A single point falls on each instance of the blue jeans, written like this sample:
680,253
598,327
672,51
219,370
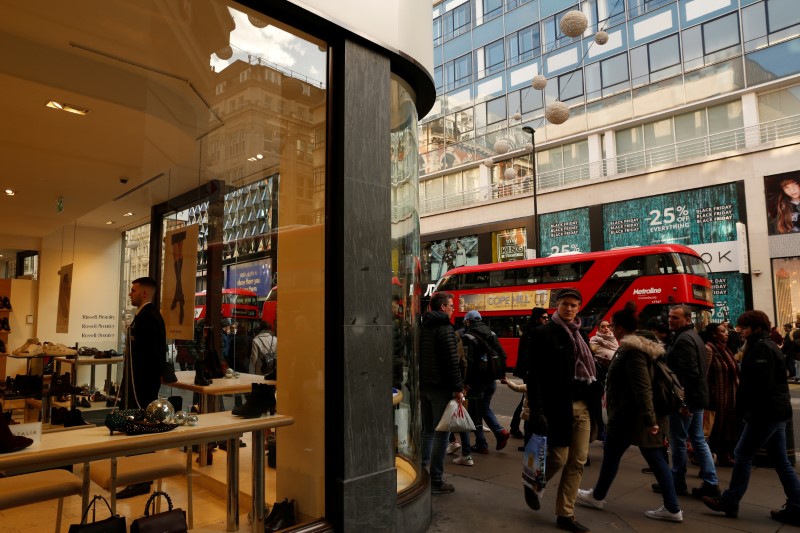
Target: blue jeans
691,427
434,443
772,436
487,415
613,449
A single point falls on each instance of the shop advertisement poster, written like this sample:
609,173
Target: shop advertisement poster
509,245
565,231
782,196
507,301
252,276
180,271
727,289
440,256
691,217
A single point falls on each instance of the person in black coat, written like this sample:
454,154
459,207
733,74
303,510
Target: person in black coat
440,382
539,317
146,348
764,403
562,392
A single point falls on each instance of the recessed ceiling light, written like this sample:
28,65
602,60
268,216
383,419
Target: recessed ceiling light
109,222
69,108
128,214
9,192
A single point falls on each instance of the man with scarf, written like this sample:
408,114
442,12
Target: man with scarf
564,396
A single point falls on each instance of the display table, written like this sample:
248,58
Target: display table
79,360
95,443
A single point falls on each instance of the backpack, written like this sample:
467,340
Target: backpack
668,394
267,357
489,364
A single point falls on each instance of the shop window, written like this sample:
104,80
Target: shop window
786,283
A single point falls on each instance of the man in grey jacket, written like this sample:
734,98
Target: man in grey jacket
440,382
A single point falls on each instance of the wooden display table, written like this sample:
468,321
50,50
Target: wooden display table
91,362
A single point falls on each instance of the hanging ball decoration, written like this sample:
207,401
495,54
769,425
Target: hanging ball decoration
510,173
488,162
516,116
601,37
573,23
539,82
501,146
557,113
257,22
225,53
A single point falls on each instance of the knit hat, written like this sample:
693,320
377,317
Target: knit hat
473,316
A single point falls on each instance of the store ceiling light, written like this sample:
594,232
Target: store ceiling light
109,222
9,192
69,108
128,214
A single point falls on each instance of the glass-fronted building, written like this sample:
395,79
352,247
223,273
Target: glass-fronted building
690,105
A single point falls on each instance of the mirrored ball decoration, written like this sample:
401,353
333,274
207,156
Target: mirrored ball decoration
181,418
192,420
160,411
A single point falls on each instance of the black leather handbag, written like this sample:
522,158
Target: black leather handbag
170,521
112,524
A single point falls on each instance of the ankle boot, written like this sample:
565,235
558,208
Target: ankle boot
200,376
285,517
261,400
74,418
63,385
58,416
277,509
10,442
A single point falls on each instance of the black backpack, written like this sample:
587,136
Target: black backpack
668,394
489,364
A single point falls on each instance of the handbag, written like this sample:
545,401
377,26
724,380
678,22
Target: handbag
112,524
455,419
170,521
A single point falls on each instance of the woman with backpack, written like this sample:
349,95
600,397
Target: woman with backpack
632,419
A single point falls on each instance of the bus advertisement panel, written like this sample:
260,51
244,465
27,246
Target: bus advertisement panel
653,277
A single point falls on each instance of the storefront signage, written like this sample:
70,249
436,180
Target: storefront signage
510,245
507,301
252,276
564,232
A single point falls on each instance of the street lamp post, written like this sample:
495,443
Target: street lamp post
528,129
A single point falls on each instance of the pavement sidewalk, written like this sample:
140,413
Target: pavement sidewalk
489,495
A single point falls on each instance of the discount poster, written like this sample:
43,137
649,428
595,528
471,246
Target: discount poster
565,231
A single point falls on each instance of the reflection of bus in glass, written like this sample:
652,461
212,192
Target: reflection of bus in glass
237,304
269,313
653,277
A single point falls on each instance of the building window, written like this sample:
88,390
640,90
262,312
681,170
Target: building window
493,55
711,42
458,72
496,110
570,85
437,31
456,21
513,4
782,14
523,44
640,7
552,37
655,61
492,9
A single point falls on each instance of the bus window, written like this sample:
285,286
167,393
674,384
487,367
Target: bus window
503,278
503,326
448,283
632,267
520,322
474,280
693,265
528,276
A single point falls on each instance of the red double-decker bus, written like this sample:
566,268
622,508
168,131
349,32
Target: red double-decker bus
237,304
653,277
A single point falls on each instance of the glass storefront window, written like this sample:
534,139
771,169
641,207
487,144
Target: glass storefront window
786,280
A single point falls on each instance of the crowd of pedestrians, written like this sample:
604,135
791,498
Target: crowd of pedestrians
735,391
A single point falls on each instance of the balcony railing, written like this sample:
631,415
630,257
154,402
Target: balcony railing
606,169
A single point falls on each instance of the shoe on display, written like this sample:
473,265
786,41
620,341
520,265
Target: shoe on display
85,403
662,513
570,524
6,303
715,503
137,489
32,350
442,487
4,324
586,497
2,346
502,439
58,349
24,347
261,401
463,460
453,447
10,442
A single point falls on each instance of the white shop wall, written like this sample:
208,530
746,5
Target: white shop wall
94,315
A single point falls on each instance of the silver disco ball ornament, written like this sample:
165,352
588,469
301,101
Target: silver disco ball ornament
225,52
573,23
160,411
192,420
557,113
601,37
539,82
181,417
501,146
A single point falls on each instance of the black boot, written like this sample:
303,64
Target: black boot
200,376
261,400
10,442
74,418
284,517
63,385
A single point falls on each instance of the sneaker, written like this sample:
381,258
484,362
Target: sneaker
453,447
786,516
706,489
442,488
502,439
482,451
663,514
715,503
586,497
464,460
31,351
570,524
58,349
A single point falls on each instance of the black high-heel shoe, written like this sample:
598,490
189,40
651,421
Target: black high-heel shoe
200,376
10,442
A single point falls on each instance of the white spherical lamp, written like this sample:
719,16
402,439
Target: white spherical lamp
257,22
539,82
601,37
510,174
516,116
557,113
488,162
502,146
573,23
225,52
